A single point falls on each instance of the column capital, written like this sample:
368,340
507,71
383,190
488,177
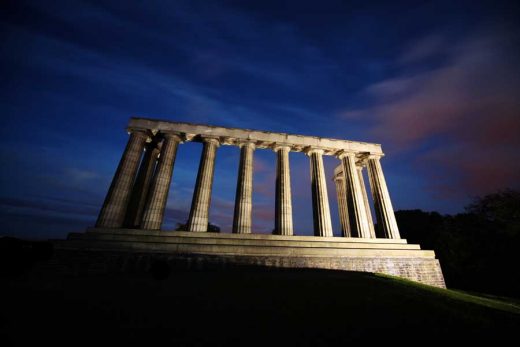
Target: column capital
210,139
140,132
310,150
338,178
173,136
362,162
375,156
280,146
246,143
344,153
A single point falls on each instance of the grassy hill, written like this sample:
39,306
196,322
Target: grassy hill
248,306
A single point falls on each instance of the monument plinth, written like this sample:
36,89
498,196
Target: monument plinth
131,217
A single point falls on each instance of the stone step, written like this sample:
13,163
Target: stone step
122,244
190,239
244,236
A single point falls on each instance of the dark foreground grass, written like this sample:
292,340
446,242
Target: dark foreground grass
248,306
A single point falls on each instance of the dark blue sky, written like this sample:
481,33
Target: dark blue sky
436,83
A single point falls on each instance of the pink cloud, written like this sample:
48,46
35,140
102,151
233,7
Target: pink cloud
468,109
424,48
259,165
264,184
263,217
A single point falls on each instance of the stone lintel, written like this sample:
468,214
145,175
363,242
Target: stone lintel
262,139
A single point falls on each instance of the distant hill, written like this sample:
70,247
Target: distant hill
247,306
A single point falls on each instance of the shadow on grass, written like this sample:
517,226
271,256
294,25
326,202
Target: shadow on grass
246,306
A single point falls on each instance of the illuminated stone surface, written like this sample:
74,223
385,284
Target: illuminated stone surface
358,249
365,201
320,199
134,215
158,194
199,213
114,208
355,202
389,256
244,195
382,202
283,224
342,204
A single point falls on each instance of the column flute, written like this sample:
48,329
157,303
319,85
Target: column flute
382,203
366,204
244,194
283,203
158,196
341,193
114,208
134,214
199,213
320,199
357,213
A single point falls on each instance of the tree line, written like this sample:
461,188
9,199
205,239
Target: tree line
478,249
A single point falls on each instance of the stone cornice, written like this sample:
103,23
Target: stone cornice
262,139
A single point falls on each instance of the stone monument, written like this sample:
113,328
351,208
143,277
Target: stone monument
132,214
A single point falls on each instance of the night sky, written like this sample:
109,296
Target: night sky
436,83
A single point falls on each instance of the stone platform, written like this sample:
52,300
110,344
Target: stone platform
389,256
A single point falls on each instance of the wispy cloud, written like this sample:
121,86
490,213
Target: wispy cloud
423,49
466,112
74,71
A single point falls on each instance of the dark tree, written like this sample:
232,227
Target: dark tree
477,249
502,209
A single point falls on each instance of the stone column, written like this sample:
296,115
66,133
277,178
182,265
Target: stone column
342,204
382,203
157,197
199,213
356,210
134,214
320,199
114,208
244,193
366,203
283,203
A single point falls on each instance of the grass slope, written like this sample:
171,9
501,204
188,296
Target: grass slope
248,307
